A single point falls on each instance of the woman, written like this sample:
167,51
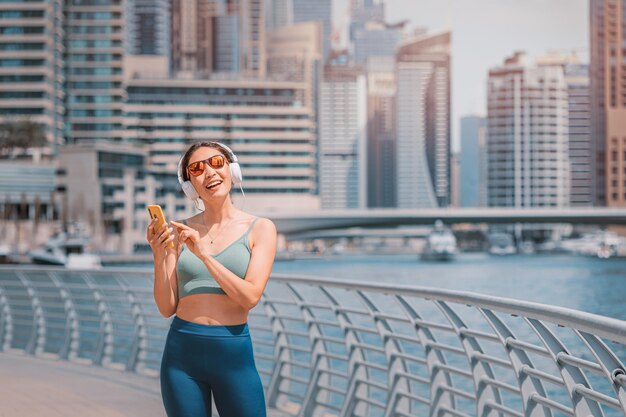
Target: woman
216,273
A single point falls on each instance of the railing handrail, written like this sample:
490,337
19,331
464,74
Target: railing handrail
606,327
345,338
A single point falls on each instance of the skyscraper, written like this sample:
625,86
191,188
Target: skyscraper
224,36
375,39
473,162
342,136
31,66
527,135
278,13
94,53
579,115
423,121
147,27
318,10
381,132
608,99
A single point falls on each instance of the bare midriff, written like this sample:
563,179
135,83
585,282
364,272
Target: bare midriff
215,309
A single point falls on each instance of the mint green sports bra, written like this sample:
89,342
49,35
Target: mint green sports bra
193,276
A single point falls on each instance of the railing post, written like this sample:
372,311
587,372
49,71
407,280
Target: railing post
613,369
485,394
280,353
140,332
318,362
519,361
571,375
397,384
38,337
105,342
69,350
6,323
355,358
440,399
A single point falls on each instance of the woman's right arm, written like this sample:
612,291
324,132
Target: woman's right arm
165,280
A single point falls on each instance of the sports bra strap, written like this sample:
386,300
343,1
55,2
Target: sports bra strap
251,224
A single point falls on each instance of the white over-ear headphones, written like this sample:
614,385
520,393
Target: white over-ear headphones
235,174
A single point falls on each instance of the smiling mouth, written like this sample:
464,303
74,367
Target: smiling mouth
215,185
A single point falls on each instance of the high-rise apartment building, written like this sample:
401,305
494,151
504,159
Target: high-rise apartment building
473,162
218,36
294,53
320,11
147,27
381,132
423,121
265,122
278,13
579,115
343,136
31,65
527,135
375,39
608,99
94,50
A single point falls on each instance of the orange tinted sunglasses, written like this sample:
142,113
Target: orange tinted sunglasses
198,167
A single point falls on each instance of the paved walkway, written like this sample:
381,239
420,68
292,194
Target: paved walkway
50,388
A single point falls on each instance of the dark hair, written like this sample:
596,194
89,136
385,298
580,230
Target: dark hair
192,148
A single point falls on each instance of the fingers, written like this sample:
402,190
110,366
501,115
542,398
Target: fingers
150,230
180,225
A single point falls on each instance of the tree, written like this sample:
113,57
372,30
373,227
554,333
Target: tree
22,134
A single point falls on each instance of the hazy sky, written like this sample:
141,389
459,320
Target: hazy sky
484,32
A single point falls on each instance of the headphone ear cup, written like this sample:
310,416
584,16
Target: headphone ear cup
189,190
235,173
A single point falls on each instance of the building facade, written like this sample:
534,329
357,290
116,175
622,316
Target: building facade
608,100
381,132
423,69
527,135
212,36
278,13
266,123
147,27
473,162
343,138
31,66
94,51
316,11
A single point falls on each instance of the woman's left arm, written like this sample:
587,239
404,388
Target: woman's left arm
247,292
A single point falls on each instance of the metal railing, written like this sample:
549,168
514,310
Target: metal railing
331,347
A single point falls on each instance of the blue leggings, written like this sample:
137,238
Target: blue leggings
200,360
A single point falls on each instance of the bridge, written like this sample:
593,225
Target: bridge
323,347
290,223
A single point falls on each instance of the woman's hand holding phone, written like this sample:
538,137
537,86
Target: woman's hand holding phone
160,239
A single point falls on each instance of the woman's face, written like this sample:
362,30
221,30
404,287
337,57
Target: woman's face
213,182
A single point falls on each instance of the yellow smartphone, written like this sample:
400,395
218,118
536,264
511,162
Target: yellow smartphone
156,212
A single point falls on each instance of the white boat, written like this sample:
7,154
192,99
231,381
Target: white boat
501,244
602,244
440,244
66,249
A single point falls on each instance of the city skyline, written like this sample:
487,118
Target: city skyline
470,26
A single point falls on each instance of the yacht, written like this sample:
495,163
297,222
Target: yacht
440,244
501,244
66,249
602,244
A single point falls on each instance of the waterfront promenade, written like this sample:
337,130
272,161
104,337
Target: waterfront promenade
323,347
42,387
